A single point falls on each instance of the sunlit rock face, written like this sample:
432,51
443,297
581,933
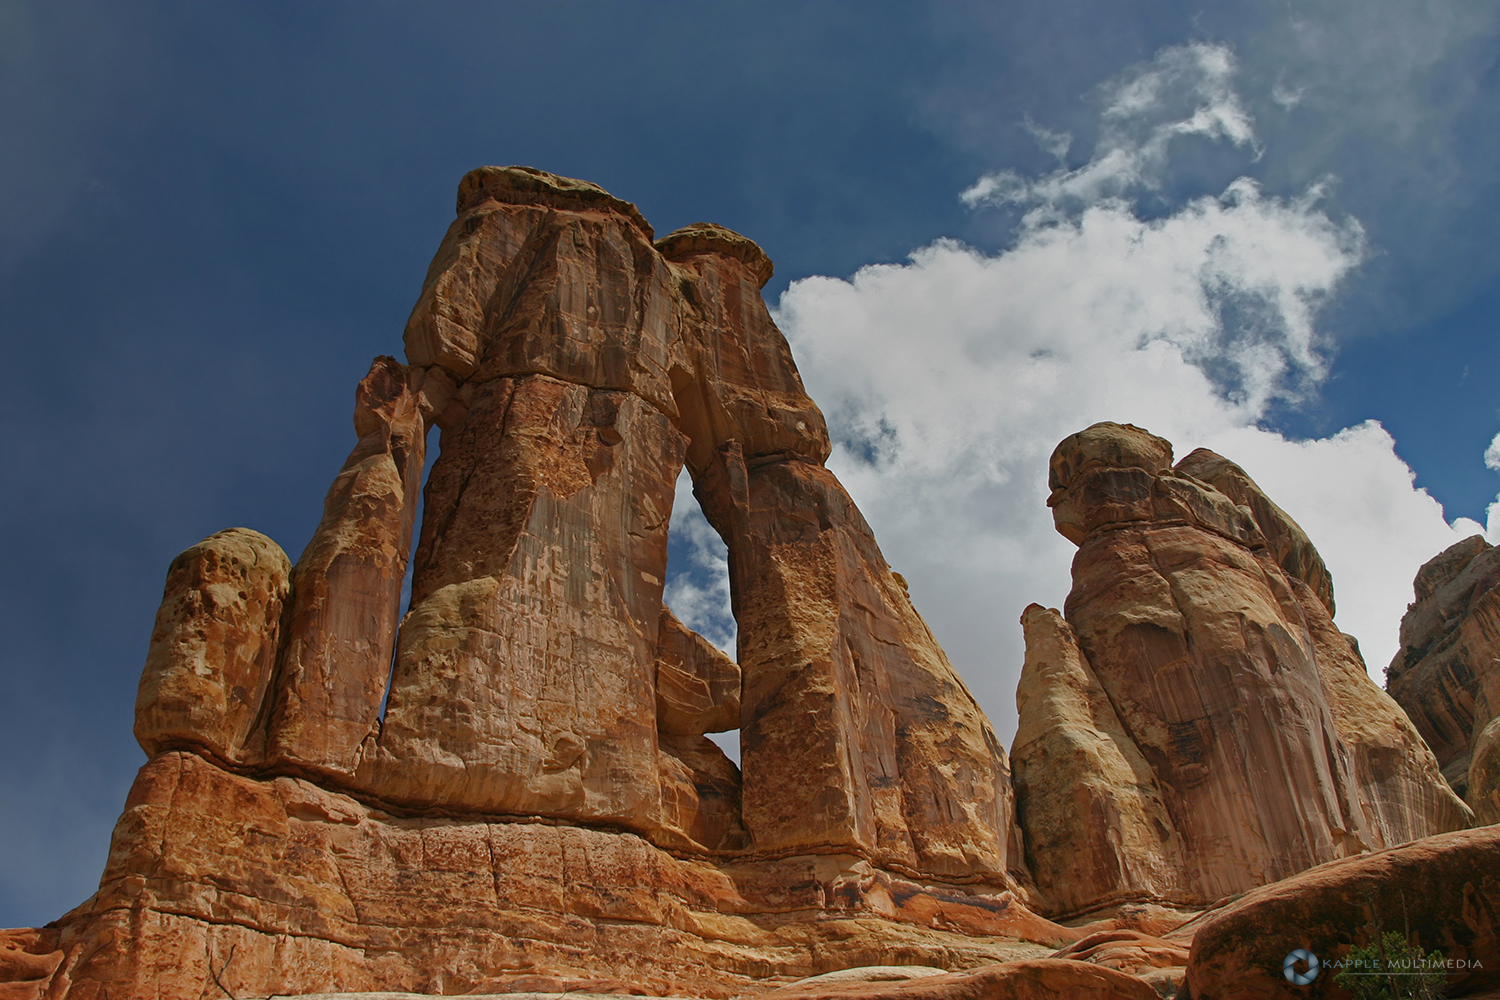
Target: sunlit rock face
1214,716
514,777
1447,673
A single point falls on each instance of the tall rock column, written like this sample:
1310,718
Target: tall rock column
1216,649
523,681
346,587
856,732
1096,827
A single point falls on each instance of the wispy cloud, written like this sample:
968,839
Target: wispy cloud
1185,91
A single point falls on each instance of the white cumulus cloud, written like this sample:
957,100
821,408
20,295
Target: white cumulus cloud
949,379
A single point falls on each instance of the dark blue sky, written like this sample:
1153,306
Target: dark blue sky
213,215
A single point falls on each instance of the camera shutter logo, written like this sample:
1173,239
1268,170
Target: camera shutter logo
1289,966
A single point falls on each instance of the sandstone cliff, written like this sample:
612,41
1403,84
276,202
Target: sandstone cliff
1205,708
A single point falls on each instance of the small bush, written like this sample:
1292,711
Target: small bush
1389,968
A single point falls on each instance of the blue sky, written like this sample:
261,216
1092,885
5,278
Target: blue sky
1258,227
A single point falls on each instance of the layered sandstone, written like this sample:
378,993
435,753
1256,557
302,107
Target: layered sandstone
516,780
1226,724
298,889
1447,673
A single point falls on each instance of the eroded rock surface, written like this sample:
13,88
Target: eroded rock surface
1447,674
213,650
1441,892
1225,722
539,800
341,629
1096,827
1037,979
330,895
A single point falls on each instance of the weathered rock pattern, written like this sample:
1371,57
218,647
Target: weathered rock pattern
1207,654
1096,827
1159,962
1443,891
213,649
1447,674
303,890
697,686
341,629
1286,542
539,797
1037,979
1484,774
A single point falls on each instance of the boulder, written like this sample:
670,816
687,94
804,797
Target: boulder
213,649
1440,892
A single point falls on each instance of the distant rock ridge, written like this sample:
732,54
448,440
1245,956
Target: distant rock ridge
1211,729
1447,673
511,787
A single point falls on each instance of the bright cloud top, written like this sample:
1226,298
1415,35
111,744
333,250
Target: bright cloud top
948,380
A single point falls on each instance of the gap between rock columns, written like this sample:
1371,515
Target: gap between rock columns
573,366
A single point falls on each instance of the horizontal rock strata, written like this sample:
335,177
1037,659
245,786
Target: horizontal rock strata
303,890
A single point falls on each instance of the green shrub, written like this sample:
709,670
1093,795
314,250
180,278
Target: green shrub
1389,968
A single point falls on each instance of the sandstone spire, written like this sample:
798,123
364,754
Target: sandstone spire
1204,619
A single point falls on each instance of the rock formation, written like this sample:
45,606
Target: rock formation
1439,893
538,796
1096,828
1216,730
1447,674
512,786
213,650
